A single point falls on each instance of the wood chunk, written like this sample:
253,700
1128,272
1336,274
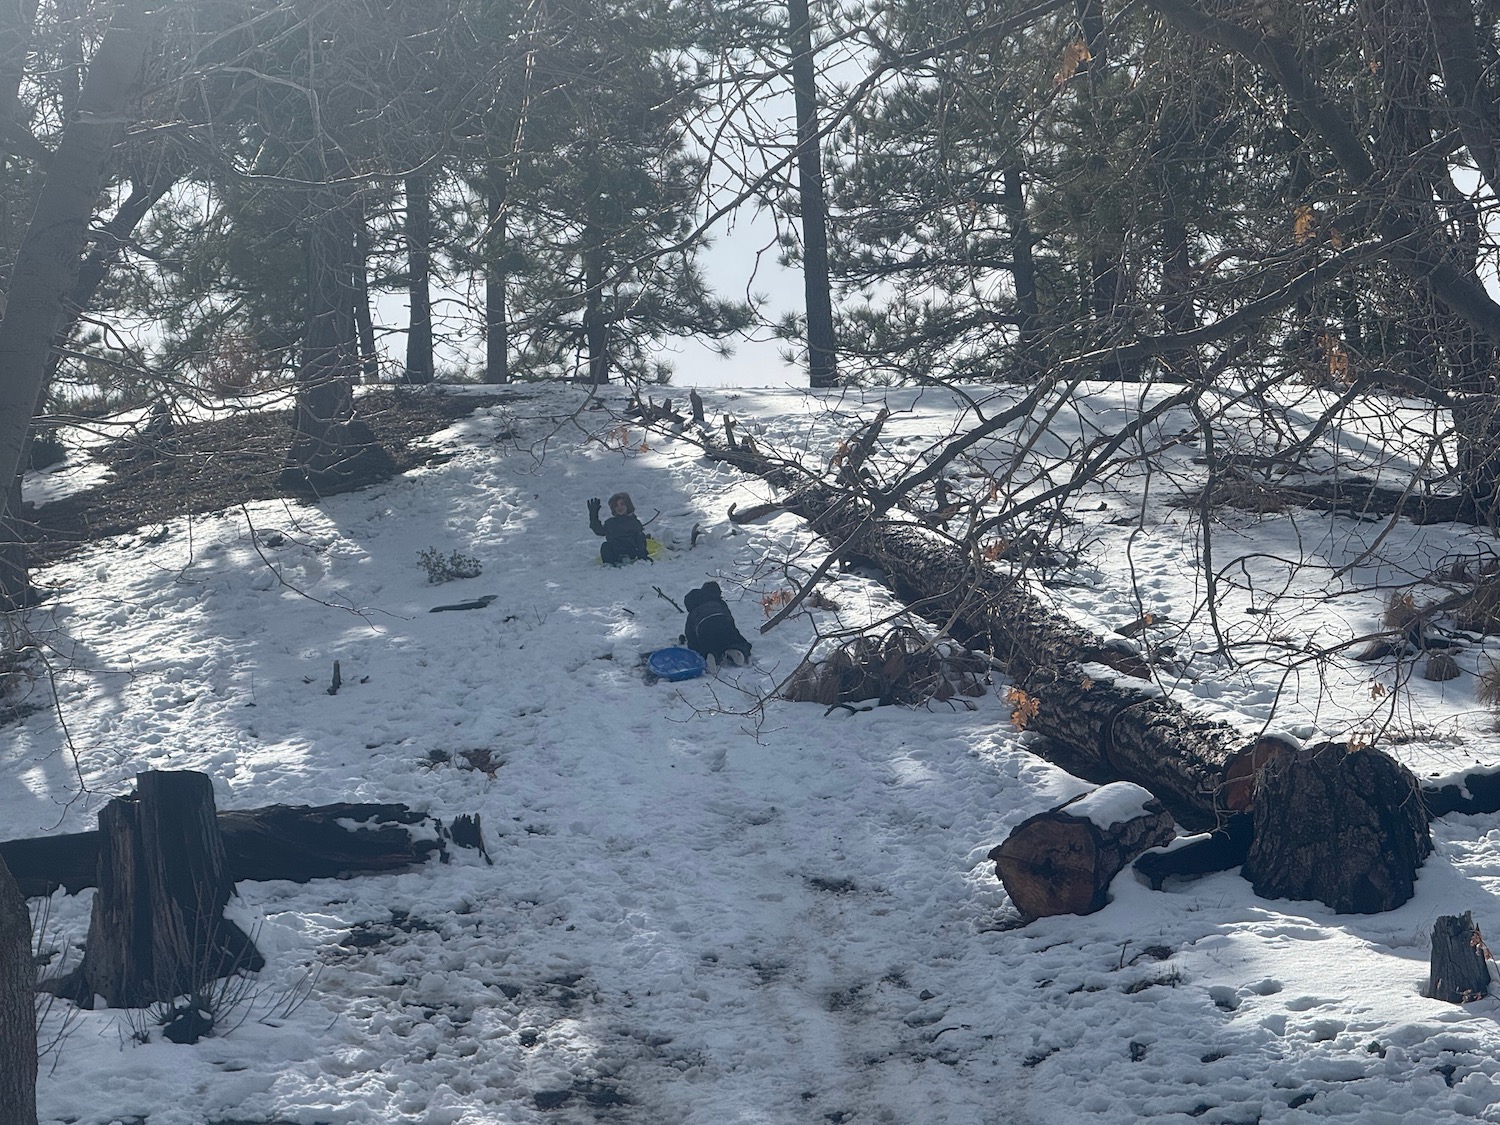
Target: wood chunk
1345,827
1460,969
1063,860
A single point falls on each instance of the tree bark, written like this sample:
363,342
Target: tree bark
291,842
496,312
822,350
1459,968
1104,720
596,327
1062,861
47,262
331,450
1345,827
418,282
18,1063
158,928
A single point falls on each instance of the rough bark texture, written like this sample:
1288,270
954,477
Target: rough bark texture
331,450
1345,827
822,353
1058,862
1459,968
291,842
17,1008
158,928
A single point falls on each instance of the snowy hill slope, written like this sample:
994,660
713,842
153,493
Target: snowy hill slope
707,905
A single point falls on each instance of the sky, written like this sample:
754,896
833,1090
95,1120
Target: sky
709,905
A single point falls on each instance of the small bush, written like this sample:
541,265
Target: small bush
441,568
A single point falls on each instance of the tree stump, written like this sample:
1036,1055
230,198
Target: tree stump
158,930
1460,969
1063,860
1346,827
17,1007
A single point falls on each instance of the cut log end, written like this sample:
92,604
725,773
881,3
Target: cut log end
1238,793
1049,868
1063,860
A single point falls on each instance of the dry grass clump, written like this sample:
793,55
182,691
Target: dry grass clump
900,666
1400,609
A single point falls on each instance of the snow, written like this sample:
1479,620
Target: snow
1111,804
708,905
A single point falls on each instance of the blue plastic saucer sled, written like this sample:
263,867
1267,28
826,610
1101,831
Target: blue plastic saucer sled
676,664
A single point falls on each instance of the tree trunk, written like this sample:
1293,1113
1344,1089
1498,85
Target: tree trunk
291,842
47,262
1104,726
1104,720
496,313
1344,827
822,351
158,928
595,320
17,19
364,315
1459,968
418,283
331,450
1023,241
17,1007
1062,861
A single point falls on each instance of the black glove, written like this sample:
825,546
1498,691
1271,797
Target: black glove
594,508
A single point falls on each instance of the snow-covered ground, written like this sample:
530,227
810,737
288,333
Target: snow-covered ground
709,906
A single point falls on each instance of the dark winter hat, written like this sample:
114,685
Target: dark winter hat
625,496
711,589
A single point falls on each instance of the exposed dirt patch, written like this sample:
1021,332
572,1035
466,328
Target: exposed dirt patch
210,466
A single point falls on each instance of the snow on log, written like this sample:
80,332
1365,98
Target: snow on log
1063,860
1345,827
1459,969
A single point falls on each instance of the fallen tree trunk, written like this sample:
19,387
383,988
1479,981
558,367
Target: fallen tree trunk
293,842
1088,696
1063,860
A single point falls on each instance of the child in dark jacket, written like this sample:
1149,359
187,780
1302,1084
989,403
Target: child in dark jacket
624,535
711,631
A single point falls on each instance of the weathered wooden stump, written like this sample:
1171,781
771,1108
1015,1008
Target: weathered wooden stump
1346,827
1063,860
158,929
1460,969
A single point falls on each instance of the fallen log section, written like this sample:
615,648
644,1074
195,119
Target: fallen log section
165,868
1090,698
293,842
1062,861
